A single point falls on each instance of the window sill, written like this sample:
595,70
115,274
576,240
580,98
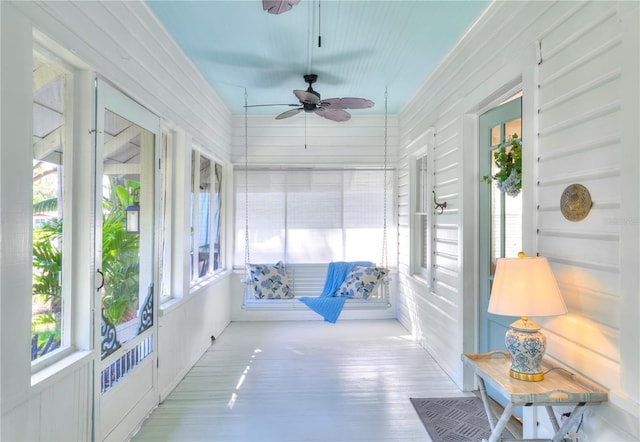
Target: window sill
421,279
174,302
54,372
169,305
208,281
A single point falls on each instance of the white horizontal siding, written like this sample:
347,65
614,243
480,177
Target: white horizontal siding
577,65
579,96
359,141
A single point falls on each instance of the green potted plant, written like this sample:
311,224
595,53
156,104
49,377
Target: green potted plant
508,158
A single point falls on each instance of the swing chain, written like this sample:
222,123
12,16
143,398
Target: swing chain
384,261
247,256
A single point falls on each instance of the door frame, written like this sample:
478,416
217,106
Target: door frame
494,116
143,393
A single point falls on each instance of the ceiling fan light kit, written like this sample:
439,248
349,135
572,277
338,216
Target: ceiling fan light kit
311,101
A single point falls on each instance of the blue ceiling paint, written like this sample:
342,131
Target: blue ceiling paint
367,46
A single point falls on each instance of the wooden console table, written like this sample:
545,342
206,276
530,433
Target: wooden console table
559,387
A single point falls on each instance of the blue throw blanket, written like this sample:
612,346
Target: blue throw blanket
328,305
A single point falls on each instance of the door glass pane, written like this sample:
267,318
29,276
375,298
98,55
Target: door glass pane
47,306
506,210
123,183
496,225
513,127
496,135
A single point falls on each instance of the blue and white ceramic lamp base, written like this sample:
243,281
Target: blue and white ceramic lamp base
526,345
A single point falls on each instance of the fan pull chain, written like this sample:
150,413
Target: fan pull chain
319,36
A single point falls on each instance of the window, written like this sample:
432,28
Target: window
50,312
206,186
421,230
312,216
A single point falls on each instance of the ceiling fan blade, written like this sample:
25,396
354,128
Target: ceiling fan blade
306,97
278,6
346,103
275,104
289,113
333,114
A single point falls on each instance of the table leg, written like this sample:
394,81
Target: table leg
502,422
575,415
552,418
485,402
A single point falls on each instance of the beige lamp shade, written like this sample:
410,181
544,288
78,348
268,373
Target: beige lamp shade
525,287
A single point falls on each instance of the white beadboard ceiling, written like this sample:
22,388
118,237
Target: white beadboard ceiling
367,46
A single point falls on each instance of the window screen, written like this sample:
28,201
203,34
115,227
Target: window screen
311,216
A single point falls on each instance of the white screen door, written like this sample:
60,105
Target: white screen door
127,151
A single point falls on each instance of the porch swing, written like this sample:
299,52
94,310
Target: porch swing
352,285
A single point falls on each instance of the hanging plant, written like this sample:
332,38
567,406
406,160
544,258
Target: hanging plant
508,158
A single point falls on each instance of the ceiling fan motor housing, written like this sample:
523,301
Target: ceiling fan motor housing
310,107
331,109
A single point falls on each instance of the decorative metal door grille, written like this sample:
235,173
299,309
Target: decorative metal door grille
131,359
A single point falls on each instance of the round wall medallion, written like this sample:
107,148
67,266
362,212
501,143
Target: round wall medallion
575,202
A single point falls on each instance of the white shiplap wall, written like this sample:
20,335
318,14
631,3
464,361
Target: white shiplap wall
359,141
124,44
577,65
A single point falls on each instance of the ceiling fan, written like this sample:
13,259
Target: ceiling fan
310,101
278,6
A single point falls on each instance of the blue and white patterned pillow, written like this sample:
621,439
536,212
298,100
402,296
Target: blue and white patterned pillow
361,282
270,281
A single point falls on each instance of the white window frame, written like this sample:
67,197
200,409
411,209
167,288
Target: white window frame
195,280
77,184
67,342
422,208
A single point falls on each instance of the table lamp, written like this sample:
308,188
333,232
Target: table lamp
525,286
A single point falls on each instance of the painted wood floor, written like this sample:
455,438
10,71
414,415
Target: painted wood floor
303,381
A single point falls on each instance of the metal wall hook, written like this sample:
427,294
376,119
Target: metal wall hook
438,206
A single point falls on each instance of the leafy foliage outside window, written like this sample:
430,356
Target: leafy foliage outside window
46,288
119,262
120,265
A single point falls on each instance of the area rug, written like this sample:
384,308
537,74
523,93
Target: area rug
456,419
